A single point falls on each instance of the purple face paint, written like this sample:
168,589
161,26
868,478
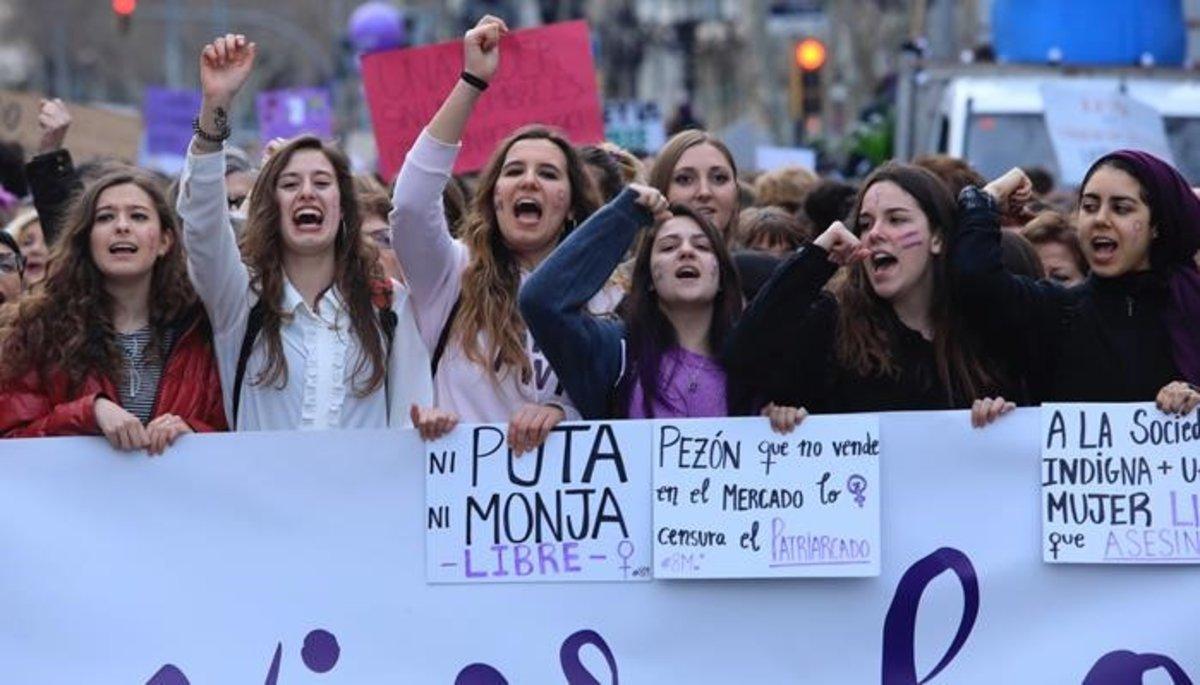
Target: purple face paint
910,239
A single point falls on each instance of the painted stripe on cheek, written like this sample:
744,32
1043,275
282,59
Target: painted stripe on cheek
911,239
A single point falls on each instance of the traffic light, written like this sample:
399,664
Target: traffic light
123,9
808,58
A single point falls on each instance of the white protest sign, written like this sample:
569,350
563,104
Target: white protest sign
1085,124
634,125
575,509
1120,485
735,500
769,158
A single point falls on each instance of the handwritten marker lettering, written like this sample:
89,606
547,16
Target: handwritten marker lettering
557,513
857,485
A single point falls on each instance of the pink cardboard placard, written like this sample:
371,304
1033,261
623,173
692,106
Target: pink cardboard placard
546,76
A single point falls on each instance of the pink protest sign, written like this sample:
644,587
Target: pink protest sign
546,76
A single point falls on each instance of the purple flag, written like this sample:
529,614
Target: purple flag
292,111
168,118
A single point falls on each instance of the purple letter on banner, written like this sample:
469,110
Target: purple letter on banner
900,626
1126,668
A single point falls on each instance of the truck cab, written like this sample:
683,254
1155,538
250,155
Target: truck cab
992,115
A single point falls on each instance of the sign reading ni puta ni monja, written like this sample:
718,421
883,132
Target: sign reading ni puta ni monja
575,509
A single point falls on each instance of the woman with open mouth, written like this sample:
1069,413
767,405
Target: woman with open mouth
530,194
1131,331
659,359
114,342
309,333
887,335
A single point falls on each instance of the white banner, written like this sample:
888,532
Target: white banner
275,557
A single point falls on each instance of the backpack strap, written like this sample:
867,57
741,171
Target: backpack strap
444,337
387,323
254,324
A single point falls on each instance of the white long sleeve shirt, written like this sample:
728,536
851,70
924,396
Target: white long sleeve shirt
319,344
433,264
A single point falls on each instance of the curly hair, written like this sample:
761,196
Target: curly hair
492,276
66,326
355,267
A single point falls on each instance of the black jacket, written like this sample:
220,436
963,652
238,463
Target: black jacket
785,345
1102,341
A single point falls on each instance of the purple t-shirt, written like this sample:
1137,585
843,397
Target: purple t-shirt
690,385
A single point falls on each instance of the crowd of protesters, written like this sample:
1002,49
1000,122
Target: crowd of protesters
567,283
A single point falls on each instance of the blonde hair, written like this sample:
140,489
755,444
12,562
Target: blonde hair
785,187
16,227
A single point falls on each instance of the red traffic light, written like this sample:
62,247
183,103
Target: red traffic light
810,54
124,8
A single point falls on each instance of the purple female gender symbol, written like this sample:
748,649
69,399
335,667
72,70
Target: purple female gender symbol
857,485
625,550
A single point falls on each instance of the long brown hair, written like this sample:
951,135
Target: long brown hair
650,333
66,325
354,270
864,343
668,158
492,276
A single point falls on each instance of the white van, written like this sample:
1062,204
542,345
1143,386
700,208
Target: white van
991,115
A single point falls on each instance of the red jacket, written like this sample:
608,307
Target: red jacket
190,388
